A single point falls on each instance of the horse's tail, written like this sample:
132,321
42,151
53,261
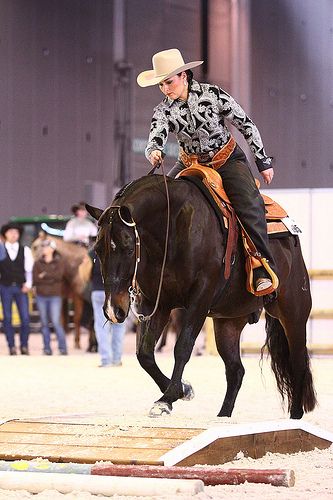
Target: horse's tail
278,349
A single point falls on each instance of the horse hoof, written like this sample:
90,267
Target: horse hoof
160,409
187,391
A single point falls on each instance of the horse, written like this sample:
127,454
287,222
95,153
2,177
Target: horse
161,247
77,276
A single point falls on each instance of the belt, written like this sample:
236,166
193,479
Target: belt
215,158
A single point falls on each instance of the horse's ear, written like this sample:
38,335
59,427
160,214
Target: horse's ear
94,211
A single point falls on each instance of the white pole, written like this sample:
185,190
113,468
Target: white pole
36,482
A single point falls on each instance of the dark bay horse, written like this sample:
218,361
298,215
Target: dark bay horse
194,282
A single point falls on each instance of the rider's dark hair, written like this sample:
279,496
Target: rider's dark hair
189,74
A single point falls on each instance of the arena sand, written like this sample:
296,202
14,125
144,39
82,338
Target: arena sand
74,386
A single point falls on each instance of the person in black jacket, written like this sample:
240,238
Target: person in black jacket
15,283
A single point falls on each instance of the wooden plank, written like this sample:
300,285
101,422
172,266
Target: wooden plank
88,443
81,454
90,440
321,274
253,348
321,314
22,426
326,349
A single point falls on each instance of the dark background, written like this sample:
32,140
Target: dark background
73,122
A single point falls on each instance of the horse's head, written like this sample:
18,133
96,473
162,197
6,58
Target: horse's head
115,247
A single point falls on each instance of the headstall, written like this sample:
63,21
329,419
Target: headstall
134,289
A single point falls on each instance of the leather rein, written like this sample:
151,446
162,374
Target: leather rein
134,289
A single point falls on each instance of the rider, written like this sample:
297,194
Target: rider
195,113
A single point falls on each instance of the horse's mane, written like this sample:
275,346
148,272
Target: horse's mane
144,182
135,187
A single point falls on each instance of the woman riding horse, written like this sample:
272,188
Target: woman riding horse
131,245
195,113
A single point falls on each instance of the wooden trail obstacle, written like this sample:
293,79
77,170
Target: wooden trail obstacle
166,446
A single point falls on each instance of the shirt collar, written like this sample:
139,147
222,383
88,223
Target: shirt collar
14,246
195,88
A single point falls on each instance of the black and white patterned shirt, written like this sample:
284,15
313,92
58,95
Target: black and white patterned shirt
198,123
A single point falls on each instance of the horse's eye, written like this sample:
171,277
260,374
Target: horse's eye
130,252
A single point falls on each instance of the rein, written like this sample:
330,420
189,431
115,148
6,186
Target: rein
134,288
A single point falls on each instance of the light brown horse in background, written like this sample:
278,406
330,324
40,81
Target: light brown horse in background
77,275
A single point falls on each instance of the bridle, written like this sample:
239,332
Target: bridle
134,289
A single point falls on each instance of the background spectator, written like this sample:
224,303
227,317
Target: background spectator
110,336
15,283
80,228
48,275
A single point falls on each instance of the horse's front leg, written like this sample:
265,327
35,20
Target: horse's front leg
191,324
148,333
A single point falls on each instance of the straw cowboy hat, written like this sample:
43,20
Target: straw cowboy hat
166,64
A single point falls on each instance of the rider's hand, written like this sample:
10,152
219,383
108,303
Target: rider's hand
155,157
268,175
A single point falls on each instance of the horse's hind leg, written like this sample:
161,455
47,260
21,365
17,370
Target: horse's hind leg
227,337
163,339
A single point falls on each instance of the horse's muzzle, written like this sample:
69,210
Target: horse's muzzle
116,307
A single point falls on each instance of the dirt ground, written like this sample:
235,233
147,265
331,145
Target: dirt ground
74,388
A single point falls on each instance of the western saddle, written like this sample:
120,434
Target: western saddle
274,215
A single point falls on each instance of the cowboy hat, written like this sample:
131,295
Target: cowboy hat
11,225
166,64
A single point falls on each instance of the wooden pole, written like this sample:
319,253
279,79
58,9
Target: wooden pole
211,476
